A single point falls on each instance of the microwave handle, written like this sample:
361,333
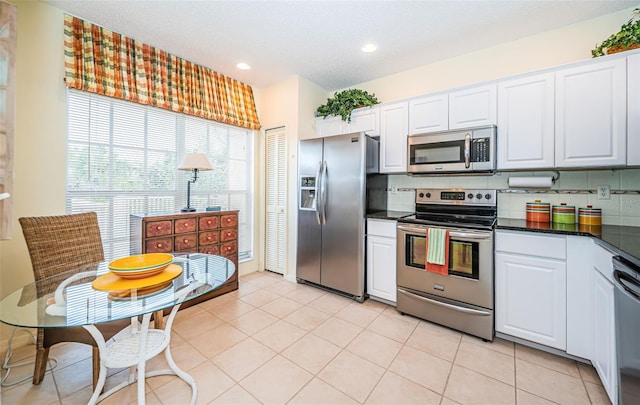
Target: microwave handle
467,150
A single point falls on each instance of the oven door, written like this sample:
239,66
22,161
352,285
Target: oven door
470,276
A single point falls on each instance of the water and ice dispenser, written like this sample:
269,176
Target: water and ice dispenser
308,193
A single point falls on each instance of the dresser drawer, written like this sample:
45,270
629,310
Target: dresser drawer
186,242
209,222
228,234
210,249
158,228
228,220
159,245
229,248
208,237
185,225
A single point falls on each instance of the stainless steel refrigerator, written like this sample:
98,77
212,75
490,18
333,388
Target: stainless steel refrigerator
336,186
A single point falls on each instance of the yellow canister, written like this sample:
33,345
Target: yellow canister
590,216
563,214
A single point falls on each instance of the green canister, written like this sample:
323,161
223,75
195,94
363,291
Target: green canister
563,214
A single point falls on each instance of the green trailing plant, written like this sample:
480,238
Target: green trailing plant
342,103
627,38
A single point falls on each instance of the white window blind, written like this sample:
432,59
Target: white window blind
276,193
122,158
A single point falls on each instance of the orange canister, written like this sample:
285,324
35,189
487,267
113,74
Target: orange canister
590,215
538,211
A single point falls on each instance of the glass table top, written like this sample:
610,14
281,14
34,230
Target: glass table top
34,305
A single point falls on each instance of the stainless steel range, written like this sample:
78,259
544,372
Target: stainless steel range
462,298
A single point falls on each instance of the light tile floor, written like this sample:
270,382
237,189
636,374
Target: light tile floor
277,342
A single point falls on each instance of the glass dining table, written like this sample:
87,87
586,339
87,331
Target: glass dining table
37,305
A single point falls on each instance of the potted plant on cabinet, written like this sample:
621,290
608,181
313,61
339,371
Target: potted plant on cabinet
342,103
626,39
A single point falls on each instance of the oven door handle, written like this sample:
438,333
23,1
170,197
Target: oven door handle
444,304
454,234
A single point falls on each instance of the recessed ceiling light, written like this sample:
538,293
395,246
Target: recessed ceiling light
369,48
243,66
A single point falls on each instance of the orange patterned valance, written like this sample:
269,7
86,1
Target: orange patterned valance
103,62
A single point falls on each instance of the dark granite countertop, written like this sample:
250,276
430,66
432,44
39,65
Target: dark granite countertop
623,240
390,215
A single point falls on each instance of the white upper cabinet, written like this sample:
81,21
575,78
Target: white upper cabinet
331,126
591,112
394,119
429,114
526,122
473,107
366,119
633,110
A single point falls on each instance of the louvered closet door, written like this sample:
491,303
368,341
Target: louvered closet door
276,180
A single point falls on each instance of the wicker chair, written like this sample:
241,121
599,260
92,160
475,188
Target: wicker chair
58,244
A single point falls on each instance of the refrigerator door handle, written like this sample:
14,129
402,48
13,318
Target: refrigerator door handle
318,192
324,192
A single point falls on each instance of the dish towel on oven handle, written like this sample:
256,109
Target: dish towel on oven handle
437,255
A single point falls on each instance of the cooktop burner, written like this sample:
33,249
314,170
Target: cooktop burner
467,208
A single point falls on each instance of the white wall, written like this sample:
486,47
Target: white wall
557,47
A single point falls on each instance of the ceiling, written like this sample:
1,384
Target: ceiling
320,40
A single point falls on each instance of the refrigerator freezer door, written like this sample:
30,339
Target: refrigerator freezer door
343,233
309,228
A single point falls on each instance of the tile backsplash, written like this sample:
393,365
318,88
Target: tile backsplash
620,209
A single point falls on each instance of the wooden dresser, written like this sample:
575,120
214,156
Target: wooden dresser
212,232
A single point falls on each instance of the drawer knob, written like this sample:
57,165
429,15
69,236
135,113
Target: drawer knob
208,237
159,245
159,227
186,240
209,222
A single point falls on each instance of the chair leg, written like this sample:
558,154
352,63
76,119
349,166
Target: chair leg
42,355
96,365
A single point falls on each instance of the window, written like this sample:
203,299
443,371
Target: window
122,158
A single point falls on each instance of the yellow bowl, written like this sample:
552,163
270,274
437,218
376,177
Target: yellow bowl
134,274
145,261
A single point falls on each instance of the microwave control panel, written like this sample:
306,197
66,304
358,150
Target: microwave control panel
480,150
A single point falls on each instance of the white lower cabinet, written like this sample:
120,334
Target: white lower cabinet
604,345
381,260
558,291
579,297
530,275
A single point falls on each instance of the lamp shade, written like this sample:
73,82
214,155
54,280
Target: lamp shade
195,160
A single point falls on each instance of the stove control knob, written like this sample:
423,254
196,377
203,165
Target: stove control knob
479,196
421,195
487,196
428,195
470,196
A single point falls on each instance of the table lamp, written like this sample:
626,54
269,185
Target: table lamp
194,162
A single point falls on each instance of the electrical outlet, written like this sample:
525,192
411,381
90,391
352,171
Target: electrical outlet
394,189
604,193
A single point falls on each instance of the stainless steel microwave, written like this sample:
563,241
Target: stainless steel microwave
471,150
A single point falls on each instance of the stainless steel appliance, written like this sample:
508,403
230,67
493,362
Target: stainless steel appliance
336,186
463,298
472,150
627,314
